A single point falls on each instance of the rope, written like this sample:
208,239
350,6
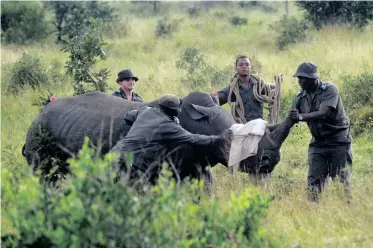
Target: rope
263,93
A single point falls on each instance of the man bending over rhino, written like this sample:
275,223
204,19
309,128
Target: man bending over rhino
155,134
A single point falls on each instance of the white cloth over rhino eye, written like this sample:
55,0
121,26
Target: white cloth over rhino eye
245,139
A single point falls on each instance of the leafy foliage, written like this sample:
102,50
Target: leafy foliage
166,27
27,71
42,101
194,11
22,22
357,99
265,6
290,31
198,72
356,13
237,21
72,17
90,210
83,52
51,161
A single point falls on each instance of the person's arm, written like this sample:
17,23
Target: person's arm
132,115
327,106
222,95
321,114
177,134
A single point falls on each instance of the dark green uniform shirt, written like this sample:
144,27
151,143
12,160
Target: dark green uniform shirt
335,127
253,109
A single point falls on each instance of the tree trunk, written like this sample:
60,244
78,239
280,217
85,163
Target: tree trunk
156,7
287,8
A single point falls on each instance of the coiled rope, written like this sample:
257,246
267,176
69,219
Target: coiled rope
263,93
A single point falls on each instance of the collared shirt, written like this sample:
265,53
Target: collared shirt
335,127
252,108
120,93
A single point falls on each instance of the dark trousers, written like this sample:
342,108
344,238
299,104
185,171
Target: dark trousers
328,161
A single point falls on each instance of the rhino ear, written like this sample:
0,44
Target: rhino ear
197,112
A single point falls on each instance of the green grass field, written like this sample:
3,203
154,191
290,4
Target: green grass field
292,221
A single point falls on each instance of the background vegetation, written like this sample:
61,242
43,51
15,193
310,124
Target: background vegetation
194,48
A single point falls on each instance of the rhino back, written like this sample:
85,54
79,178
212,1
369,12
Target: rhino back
96,115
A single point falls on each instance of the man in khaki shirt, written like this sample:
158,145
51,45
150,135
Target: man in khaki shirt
320,105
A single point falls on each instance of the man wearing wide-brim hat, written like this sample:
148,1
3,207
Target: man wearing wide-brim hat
320,105
126,79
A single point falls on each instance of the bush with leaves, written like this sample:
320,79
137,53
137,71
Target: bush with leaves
356,13
90,210
358,102
72,17
27,71
198,72
237,21
269,7
22,22
84,51
290,31
194,11
166,27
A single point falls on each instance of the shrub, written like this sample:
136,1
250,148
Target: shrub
198,72
149,8
266,7
89,210
290,31
194,11
84,51
28,71
165,27
356,13
357,99
237,21
220,78
362,121
22,22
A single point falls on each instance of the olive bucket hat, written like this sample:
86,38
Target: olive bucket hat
124,74
308,70
170,101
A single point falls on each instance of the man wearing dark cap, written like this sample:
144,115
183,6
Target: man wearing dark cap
154,134
126,80
329,155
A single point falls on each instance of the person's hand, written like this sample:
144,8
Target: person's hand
293,114
214,94
227,133
280,76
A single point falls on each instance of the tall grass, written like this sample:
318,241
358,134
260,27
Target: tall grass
338,50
